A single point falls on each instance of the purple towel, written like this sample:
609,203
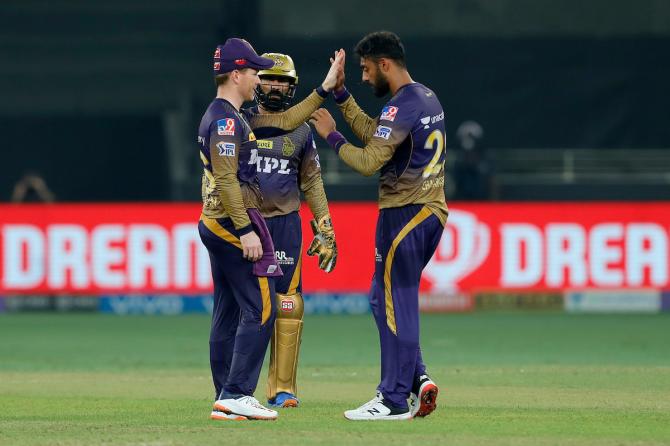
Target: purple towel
267,266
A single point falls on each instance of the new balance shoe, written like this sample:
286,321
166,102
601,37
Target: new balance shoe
246,406
423,401
377,409
219,415
284,399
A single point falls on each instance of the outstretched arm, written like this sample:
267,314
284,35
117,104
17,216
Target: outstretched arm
361,124
366,160
299,113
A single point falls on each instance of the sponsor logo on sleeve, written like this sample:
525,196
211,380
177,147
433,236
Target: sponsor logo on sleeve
388,113
226,148
382,132
225,127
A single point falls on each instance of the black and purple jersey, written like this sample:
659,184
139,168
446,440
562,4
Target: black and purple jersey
229,181
286,162
406,143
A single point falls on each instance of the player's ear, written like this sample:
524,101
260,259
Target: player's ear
235,76
384,64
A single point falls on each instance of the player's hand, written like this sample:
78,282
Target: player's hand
337,64
252,249
339,83
323,122
323,244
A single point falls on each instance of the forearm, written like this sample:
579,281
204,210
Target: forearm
366,160
294,116
230,194
361,124
315,195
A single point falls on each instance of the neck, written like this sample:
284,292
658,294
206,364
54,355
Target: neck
398,80
230,94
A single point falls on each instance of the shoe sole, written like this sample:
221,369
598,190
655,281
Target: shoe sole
428,400
387,418
227,416
223,408
291,402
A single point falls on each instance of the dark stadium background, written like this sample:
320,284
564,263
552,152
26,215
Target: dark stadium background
102,99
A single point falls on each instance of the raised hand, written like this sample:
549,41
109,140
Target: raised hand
337,65
339,83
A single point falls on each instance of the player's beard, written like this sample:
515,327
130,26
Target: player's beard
380,85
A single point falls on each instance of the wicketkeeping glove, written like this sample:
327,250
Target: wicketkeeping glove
323,244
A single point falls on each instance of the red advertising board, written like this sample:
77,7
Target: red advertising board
122,248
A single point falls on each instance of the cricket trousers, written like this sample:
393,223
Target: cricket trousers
243,313
286,233
405,241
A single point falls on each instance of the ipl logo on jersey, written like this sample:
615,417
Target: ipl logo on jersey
226,148
383,132
225,127
388,113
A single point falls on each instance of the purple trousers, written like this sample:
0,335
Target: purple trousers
286,235
406,239
244,308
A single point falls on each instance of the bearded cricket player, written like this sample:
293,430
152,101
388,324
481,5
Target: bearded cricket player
406,144
231,227
287,163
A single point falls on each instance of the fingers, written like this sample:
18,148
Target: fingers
318,115
252,253
313,247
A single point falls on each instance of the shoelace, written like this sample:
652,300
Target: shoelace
250,400
372,402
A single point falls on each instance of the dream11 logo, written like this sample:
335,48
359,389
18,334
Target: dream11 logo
463,248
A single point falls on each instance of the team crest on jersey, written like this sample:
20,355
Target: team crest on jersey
287,147
225,127
383,132
226,148
388,113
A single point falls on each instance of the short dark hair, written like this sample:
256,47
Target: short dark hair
381,44
221,79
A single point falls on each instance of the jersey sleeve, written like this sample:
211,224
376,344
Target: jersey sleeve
311,183
361,124
225,141
293,117
393,126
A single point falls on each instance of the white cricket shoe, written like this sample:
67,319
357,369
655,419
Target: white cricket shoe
425,402
377,410
246,406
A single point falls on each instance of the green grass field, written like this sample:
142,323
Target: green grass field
505,379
